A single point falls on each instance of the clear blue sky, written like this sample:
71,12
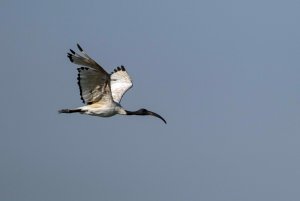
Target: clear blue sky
224,74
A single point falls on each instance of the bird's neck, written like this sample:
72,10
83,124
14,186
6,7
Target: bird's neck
133,112
129,112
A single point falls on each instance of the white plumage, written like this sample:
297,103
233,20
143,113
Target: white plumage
120,82
100,91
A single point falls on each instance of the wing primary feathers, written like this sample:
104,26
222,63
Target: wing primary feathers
84,60
70,57
86,55
92,79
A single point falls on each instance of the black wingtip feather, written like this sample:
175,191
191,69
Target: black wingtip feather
70,57
72,51
81,50
122,68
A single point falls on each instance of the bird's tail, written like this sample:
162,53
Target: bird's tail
69,110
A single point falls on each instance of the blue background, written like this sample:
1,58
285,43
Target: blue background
224,74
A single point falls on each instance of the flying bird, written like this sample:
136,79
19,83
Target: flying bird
101,92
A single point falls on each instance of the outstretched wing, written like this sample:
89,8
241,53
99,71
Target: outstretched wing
120,82
93,80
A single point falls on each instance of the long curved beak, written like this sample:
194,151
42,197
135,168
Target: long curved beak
156,115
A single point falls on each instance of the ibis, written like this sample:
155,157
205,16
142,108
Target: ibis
100,91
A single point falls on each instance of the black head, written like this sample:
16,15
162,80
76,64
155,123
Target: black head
143,111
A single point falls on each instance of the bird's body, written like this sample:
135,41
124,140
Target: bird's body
103,110
100,91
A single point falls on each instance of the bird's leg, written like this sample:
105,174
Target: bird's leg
69,111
